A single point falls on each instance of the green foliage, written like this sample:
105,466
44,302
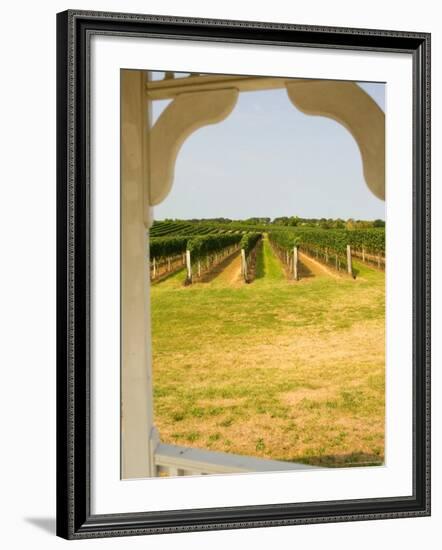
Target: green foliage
202,246
187,228
168,237
379,223
286,239
163,247
335,240
248,241
373,240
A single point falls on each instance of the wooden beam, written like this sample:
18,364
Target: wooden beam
170,88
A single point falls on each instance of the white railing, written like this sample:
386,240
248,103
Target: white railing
173,460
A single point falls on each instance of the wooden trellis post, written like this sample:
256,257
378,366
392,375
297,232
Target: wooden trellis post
349,264
243,264
295,263
188,266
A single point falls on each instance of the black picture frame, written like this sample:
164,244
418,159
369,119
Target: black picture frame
74,518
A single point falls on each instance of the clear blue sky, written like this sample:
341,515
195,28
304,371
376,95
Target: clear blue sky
269,159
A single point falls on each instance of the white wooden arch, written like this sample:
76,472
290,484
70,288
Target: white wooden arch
211,99
148,156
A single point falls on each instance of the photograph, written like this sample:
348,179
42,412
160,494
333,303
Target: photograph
264,274
243,274
222,257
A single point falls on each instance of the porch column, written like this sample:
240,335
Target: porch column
138,434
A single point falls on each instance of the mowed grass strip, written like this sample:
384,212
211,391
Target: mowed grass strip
277,369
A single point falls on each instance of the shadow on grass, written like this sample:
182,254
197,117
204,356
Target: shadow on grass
260,269
304,272
167,276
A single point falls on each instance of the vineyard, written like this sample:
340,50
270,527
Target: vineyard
208,251
264,343
278,368
200,247
249,248
167,229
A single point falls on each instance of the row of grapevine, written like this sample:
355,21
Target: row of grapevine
248,245
337,246
336,240
168,229
334,247
368,245
171,241
332,250
163,247
285,243
204,252
371,240
167,254
285,239
329,249
202,246
171,251
163,229
248,242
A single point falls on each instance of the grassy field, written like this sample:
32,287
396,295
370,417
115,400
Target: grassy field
278,369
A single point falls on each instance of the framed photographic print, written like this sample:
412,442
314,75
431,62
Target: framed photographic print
243,274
